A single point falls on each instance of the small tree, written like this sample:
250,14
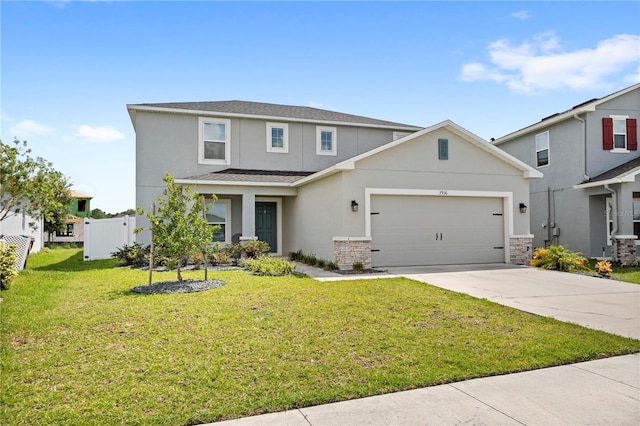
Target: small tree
178,227
30,185
57,221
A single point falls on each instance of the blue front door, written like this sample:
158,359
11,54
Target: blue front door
267,224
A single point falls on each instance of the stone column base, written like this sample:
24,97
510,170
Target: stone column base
624,249
520,249
350,250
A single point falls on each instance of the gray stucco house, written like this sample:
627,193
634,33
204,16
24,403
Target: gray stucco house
343,187
589,197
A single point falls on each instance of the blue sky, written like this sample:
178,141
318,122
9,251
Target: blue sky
69,68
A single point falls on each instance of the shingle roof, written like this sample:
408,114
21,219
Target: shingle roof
240,175
587,106
261,109
616,171
78,194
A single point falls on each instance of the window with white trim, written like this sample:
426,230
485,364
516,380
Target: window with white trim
619,132
326,141
219,213
278,137
214,145
635,213
542,149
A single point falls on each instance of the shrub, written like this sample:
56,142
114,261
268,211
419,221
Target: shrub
634,264
8,259
603,268
267,265
331,266
197,259
559,258
357,266
220,258
296,256
255,248
133,255
312,260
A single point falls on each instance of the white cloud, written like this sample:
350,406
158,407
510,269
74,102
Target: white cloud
98,133
542,64
521,14
633,77
26,128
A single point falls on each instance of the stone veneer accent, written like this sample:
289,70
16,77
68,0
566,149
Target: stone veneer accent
350,250
520,249
624,249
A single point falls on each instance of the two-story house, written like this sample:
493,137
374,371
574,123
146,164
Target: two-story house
78,210
589,197
346,188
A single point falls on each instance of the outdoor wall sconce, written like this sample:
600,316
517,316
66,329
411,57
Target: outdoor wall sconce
523,208
354,206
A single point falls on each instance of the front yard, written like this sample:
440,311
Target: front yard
78,347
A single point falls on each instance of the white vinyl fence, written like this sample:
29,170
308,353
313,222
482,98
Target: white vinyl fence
103,236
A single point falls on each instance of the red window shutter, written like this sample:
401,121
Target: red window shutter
632,134
607,133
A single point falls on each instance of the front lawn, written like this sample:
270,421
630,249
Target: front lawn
78,347
630,275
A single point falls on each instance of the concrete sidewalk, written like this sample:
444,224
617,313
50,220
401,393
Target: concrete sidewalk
596,392
603,392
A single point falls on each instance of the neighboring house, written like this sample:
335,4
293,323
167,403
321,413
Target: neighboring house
346,188
589,197
18,224
79,209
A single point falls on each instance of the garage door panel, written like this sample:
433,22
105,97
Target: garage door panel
426,230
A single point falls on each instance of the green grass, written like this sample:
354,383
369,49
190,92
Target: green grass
630,275
78,347
626,274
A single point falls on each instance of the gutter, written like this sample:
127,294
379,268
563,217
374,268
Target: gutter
583,144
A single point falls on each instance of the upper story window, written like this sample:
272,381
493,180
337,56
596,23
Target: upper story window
326,141
619,133
82,205
542,149
277,137
214,145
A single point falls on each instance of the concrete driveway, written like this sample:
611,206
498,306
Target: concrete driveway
597,303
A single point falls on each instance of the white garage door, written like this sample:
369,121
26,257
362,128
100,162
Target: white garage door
428,230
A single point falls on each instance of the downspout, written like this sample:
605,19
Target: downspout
583,146
614,219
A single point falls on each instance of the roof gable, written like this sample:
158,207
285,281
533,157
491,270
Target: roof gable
350,164
267,111
588,106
